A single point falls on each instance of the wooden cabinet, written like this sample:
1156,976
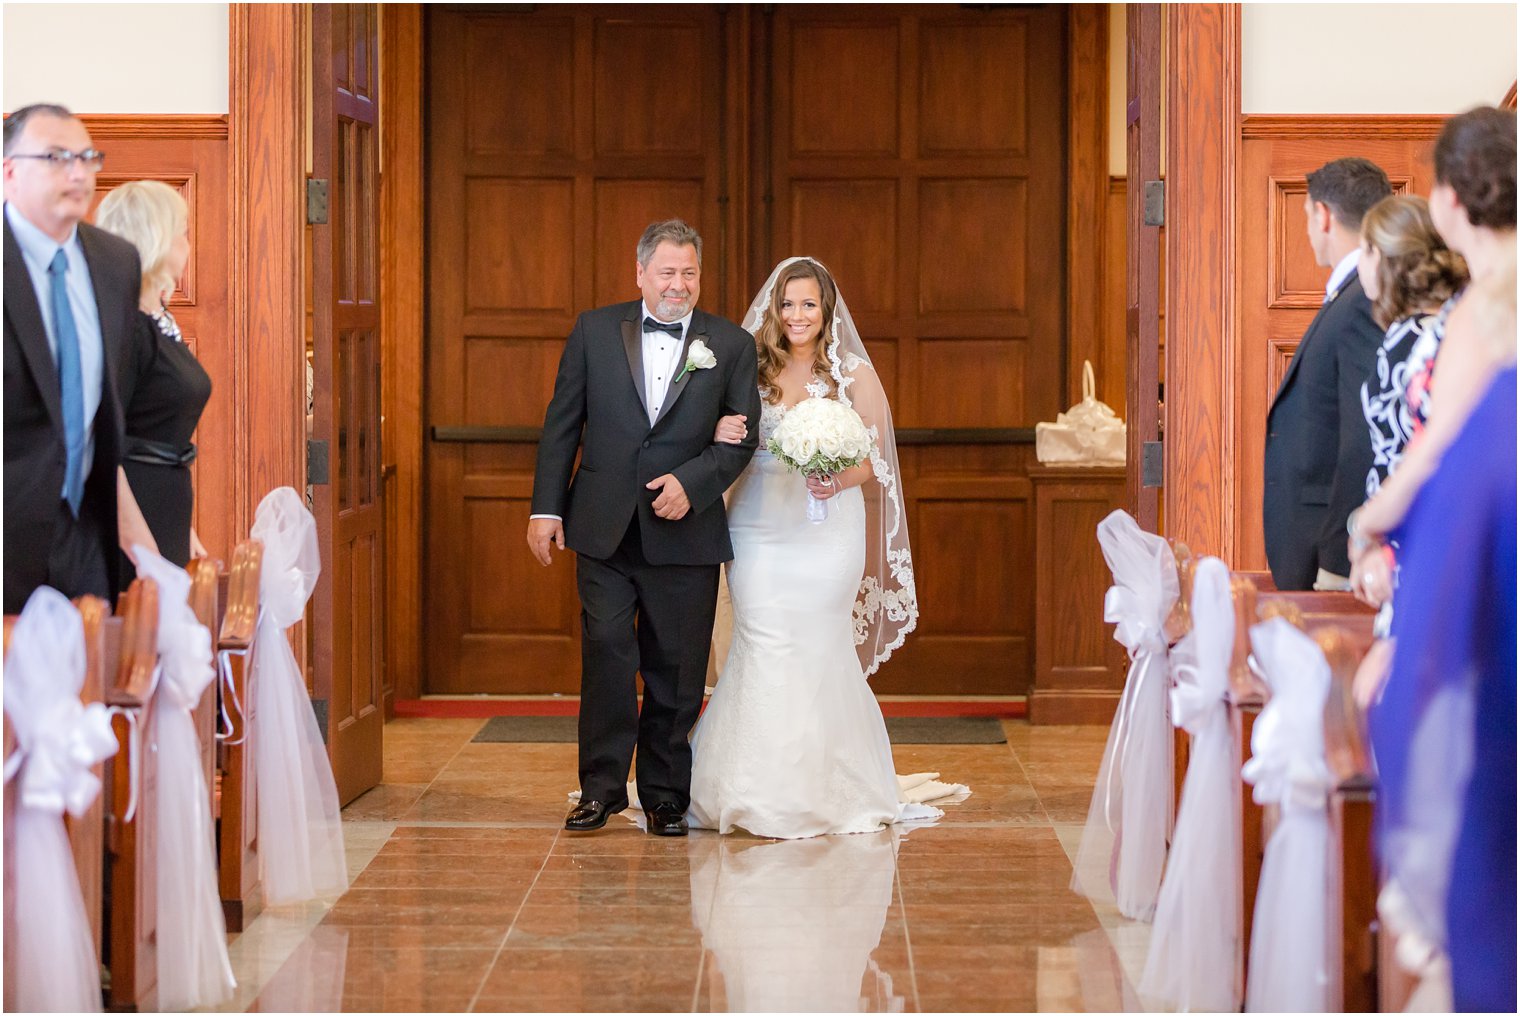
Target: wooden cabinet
1078,667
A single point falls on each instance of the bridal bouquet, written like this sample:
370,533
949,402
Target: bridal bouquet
820,436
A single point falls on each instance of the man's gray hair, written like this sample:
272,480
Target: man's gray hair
673,231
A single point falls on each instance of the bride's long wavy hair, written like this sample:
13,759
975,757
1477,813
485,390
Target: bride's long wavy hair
774,349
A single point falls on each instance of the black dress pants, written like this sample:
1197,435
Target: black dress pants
655,621
76,559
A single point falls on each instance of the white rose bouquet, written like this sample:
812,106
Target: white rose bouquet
820,436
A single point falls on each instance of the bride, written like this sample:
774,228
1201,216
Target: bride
793,743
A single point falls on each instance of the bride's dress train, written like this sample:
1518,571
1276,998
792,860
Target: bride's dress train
793,743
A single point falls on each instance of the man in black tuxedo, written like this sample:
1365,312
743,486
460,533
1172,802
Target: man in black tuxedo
640,389
1318,446
70,298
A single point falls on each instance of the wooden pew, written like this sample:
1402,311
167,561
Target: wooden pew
1353,882
1313,612
237,800
131,943
204,590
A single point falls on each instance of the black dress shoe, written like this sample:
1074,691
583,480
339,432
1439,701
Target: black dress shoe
666,820
589,815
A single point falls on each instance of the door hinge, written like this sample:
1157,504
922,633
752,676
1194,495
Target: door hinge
1152,464
1155,202
316,202
316,463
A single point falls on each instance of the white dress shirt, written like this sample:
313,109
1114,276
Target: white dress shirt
37,250
662,362
1342,271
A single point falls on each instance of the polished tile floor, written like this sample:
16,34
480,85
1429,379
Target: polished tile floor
467,896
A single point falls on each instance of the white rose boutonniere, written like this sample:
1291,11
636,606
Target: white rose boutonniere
698,357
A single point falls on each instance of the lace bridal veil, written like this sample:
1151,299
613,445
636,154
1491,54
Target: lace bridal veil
886,607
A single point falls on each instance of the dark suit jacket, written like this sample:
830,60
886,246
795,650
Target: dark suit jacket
1318,446
34,438
598,405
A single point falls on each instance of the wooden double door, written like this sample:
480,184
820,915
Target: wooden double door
919,152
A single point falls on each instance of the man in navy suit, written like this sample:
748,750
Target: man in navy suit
1318,446
70,301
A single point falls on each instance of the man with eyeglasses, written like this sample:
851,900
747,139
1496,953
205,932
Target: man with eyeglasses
70,295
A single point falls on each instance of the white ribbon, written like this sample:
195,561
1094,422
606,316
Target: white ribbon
53,965
193,967
1287,768
300,829
1131,803
1192,964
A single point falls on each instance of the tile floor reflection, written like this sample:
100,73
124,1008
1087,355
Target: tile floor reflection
467,896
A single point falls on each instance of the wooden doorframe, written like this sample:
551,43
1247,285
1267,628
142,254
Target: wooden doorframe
402,329
403,196
1202,340
267,218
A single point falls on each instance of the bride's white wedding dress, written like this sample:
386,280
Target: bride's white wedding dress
793,743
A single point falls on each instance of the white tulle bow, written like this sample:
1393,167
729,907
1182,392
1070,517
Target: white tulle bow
58,738
1192,964
1288,965
1287,765
300,828
1201,674
193,966
1131,804
184,644
51,957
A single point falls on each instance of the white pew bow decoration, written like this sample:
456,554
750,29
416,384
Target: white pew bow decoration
193,967
300,829
51,965
1288,965
1131,806
1192,963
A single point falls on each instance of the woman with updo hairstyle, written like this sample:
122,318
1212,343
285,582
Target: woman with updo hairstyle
163,387
1408,273
1472,206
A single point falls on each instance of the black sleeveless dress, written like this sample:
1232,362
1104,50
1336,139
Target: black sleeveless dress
164,390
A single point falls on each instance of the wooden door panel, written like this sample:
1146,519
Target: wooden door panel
938,201
350,595
961,59
1281,286
552,146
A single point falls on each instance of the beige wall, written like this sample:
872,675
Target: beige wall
117,58
1375,58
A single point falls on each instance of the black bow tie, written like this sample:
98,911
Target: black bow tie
651,325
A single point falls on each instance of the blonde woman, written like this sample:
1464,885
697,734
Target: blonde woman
163,388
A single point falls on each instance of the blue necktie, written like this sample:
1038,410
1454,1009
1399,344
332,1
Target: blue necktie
70,382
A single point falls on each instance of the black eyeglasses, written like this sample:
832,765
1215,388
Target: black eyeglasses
90,158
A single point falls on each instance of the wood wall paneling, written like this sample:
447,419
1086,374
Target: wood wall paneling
189,153
267,219
402,287
1203,103
1279,285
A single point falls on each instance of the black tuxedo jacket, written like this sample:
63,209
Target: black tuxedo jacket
598,406
35,449
1318,446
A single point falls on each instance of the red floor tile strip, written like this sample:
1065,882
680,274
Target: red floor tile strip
470,708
